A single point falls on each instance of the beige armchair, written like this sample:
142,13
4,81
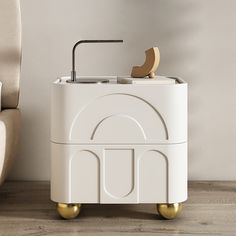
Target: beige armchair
10,59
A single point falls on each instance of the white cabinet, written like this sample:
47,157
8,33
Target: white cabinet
118,143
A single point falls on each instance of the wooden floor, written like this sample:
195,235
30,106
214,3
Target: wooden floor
25,209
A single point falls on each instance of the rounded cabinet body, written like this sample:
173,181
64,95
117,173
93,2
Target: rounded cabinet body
118,143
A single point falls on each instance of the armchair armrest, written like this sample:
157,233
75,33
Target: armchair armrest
0,95
9,139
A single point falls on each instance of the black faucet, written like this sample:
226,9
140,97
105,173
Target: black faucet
73,72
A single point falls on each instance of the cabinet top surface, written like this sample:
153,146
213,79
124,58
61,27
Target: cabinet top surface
120,81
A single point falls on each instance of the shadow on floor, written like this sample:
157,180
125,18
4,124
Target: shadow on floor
32,201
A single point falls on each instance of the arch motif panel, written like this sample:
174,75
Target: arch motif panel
94,115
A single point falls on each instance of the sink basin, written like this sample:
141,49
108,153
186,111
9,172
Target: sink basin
89,79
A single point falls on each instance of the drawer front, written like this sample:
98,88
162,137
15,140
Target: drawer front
119,173
119,114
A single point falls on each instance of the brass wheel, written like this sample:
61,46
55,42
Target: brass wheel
68,211
169,211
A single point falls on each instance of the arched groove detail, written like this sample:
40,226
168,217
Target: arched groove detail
124,94
128,163
126,116
85,150
115,197
167,167
94,155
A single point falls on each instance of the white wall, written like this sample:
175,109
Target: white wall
196,40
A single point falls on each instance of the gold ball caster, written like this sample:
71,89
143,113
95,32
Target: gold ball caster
169,211
68,211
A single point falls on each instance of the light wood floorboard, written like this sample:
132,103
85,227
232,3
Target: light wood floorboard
26,209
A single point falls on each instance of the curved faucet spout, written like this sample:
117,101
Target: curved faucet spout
73,72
